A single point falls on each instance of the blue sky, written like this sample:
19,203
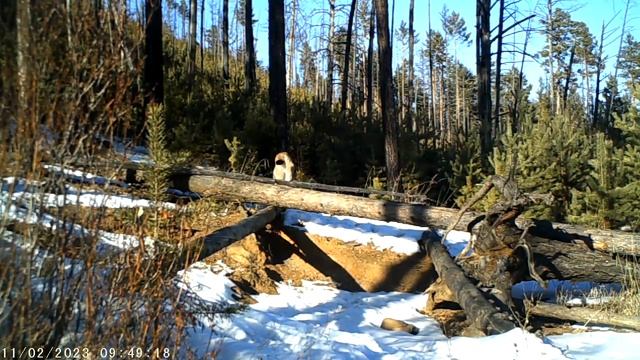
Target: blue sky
593,13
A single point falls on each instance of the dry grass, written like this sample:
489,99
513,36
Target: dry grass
72,92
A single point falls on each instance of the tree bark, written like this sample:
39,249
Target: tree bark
385,86
496,114
288,196
292,45
277,72
23,43
372,19
347,57
483,59
432,108
583,315
153,60
249,53
225,42
482,314
596,100
202,35
193,25
565,93
410,122
332,16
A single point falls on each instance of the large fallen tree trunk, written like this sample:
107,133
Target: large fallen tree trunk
583,315
339,204
481,313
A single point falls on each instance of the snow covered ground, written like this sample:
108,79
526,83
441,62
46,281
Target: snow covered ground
316,321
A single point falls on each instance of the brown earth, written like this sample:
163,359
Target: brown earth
293,255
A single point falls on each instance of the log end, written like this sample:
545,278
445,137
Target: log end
399,325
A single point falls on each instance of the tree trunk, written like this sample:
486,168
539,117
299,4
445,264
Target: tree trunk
496,114
432,109
332,17
372,20
277,72
385,86
23,43
193,25
202,35
410,122
596,100
483,59
249,53
583,315
153,61
565,93
225,43
614,91
292,45
552,83
481,313
347,57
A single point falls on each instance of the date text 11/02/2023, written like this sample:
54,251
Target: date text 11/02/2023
84,353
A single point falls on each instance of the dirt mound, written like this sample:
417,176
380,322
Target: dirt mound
293,255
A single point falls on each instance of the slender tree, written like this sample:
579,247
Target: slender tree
202,34
23,42
497,86
332,17
193,26
249,53
607,116
347,57
432,108
412,125
225,42
369,105
292,45
483,61
277,71
385,87
153,60
596,100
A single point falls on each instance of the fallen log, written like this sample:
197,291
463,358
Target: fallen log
613,241
286,196
586,316
132,168
221,238
482,314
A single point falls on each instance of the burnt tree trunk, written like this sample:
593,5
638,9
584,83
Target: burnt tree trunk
277,72
153,61
389,123
483,60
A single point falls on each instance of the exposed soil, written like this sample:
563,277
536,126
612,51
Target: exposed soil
292,255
